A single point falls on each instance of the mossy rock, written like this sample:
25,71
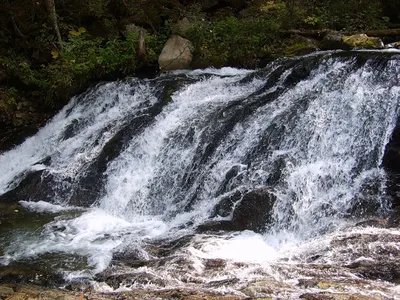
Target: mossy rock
334,40
301,46
363,41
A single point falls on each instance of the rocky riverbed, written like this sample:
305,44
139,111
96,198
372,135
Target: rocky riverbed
362,262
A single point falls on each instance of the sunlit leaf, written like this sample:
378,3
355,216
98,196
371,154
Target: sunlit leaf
55,54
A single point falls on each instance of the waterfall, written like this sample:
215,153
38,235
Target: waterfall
134,161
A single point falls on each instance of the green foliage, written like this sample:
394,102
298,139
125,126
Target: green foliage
349,15
85,58
95,7
232,40
7,102
154,45
93,47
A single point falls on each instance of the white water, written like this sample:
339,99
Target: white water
329,130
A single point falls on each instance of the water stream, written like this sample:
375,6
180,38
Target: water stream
131,169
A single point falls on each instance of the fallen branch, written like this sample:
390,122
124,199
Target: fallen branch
315,34
383,32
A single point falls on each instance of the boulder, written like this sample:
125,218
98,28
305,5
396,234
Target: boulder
253,212
333,40
363,41
176,54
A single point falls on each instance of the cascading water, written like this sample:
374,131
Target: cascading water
136,163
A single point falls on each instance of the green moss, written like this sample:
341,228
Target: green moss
363,41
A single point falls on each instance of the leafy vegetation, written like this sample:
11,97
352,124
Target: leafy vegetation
233,41
96,45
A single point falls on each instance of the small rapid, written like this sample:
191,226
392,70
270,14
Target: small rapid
132,166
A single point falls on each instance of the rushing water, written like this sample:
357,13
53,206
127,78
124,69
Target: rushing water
133,165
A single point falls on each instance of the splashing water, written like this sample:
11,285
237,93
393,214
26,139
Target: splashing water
144,161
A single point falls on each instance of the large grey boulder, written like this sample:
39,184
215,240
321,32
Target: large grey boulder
176,54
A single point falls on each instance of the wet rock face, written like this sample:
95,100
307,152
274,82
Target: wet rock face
391,164
28,274
34,186
332,296
252,212
370,256
28,291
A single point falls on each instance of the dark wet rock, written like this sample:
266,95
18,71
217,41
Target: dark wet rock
16,135
370,256
14,217
367,202
266,287
215,263
253,212
394,219
334,296
225,206
216,226
307,283
28,274
223,282
133,278
333,40
391,164
34,186
163,248
319,296
380,223
387,271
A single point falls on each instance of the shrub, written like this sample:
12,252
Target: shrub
233,41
